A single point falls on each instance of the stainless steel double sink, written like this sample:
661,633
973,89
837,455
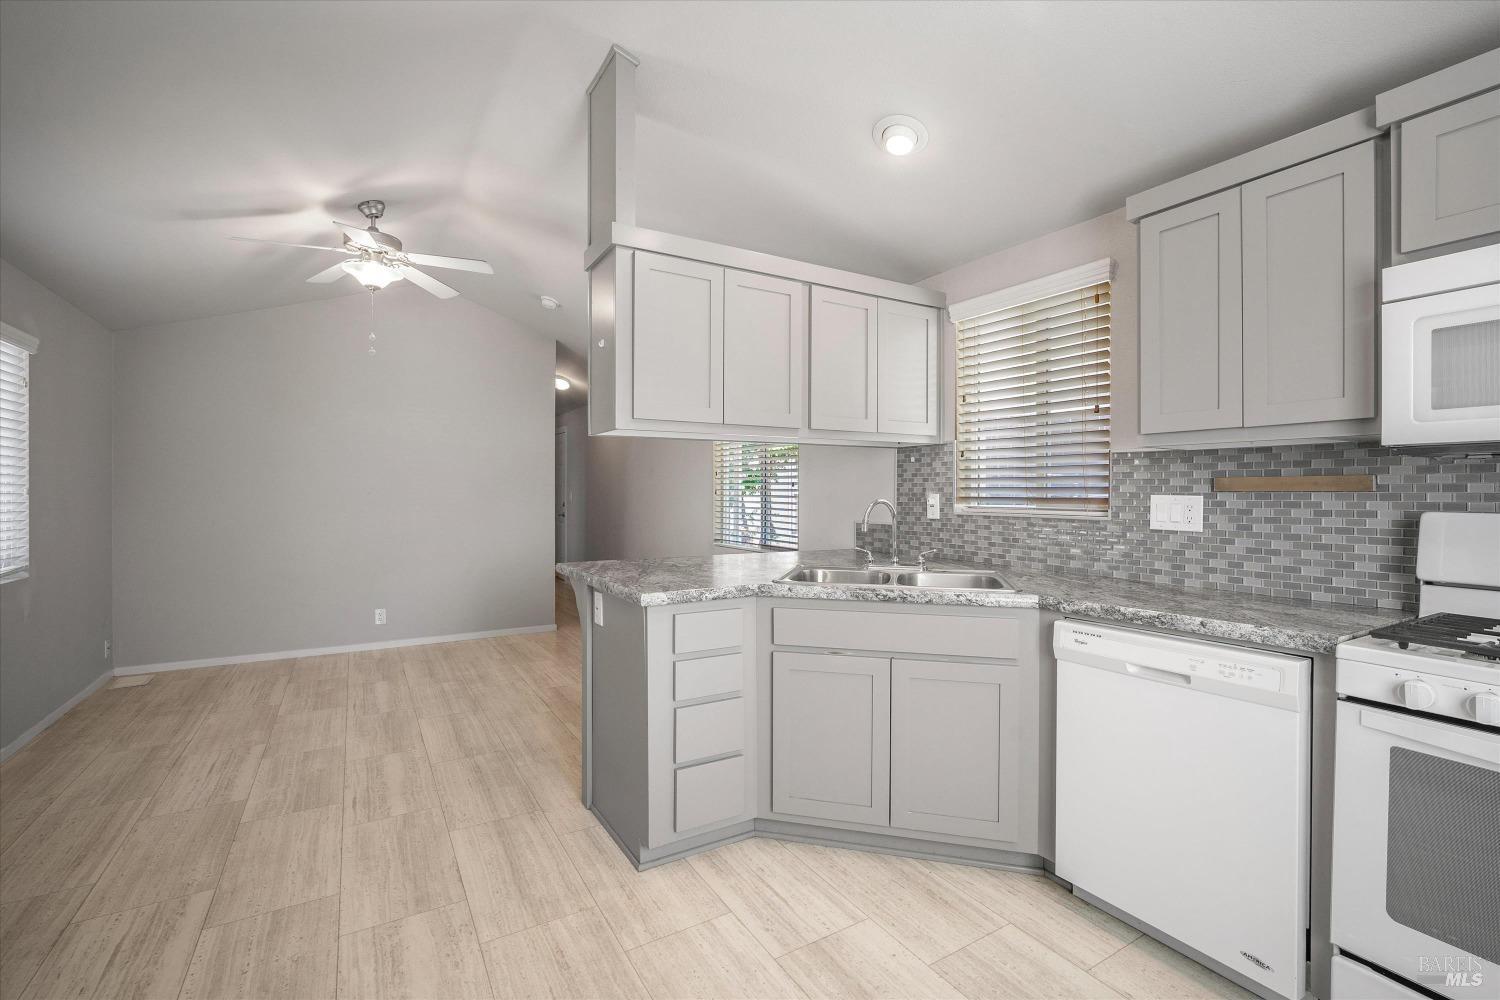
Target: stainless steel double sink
895,576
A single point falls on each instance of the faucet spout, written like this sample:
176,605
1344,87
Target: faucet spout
895,537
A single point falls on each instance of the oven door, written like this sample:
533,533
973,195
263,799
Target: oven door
1416,849
1440,368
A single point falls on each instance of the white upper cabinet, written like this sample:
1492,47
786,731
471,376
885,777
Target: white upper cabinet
1309,291
678,350
1450,173
765,340
906,363
1191,317
842,389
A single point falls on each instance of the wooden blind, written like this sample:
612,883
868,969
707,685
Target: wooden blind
755,495
1033,411
15,487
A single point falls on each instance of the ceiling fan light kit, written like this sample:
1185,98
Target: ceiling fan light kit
371,273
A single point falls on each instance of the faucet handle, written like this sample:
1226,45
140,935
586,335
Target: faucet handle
922,558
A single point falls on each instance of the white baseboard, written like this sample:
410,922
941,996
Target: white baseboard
53,716
295,654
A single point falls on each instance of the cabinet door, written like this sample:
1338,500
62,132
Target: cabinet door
1190,316
956,747
842,385
1309,289
1450,173
906,364
678,340
830,736
765,337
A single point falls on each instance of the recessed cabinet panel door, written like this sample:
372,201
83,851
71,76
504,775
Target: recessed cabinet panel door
1450,173
907,369
1190,316
679,340
765,337
1309,291
843,357
955,748
830,736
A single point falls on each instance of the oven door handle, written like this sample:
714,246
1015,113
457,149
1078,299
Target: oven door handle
1449,738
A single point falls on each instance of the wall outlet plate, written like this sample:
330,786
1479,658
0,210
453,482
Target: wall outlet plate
598,609
1176,513
934,506
380,616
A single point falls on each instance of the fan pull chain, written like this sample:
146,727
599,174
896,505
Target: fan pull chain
372,321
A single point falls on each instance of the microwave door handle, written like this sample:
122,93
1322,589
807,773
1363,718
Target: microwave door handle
1447,738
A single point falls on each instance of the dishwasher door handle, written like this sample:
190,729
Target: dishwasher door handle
1157,674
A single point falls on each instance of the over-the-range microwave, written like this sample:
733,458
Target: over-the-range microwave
1440,354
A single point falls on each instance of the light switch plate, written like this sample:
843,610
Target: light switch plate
598,609
1176,513
934,506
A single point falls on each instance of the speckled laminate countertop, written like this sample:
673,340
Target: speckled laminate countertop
1220,614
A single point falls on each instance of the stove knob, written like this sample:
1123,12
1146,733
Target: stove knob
1417,694
1485,707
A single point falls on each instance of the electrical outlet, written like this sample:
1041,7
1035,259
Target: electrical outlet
380,616
1176,513
934,506
107,647
598,609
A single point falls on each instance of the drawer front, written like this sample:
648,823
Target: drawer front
708,676
696,631
932,635
709,730
709,793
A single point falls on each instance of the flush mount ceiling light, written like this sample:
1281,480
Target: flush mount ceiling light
548,302
563,385
900,134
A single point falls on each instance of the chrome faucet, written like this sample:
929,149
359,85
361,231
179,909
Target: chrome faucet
895,536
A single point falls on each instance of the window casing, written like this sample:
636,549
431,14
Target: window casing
16,349
755,495
1034,396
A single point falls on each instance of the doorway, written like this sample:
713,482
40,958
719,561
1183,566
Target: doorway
560,493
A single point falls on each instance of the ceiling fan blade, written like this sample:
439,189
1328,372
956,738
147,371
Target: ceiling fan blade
428,283
280,243
331,274
359,235
457,263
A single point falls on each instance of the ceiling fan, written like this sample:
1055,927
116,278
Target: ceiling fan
376,259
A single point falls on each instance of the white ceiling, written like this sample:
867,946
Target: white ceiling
135,137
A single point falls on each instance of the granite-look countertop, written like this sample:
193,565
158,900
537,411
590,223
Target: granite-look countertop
1220,614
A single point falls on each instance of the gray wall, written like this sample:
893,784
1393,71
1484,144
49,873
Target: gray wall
54,624
1106,236
274,483
652,497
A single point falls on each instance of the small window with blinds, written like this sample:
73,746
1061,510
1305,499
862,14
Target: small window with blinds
16,349
755,495
1034,394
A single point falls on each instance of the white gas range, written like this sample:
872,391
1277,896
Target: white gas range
1416,858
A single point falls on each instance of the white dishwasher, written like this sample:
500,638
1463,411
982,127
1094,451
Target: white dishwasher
1182,792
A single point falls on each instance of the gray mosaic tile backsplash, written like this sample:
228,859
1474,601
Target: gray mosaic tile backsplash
1343,548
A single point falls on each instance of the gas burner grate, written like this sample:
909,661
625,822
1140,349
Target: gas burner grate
1449,631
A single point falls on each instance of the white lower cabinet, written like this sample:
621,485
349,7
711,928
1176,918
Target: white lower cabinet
830,736
956,745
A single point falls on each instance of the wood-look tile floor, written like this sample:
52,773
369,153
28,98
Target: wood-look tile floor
405,823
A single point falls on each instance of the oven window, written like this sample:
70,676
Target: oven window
1466,365
1443,853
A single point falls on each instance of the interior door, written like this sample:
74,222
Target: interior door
842,352
906,369
560,492
678,336
1190,316
956,747
830,736
1309,291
